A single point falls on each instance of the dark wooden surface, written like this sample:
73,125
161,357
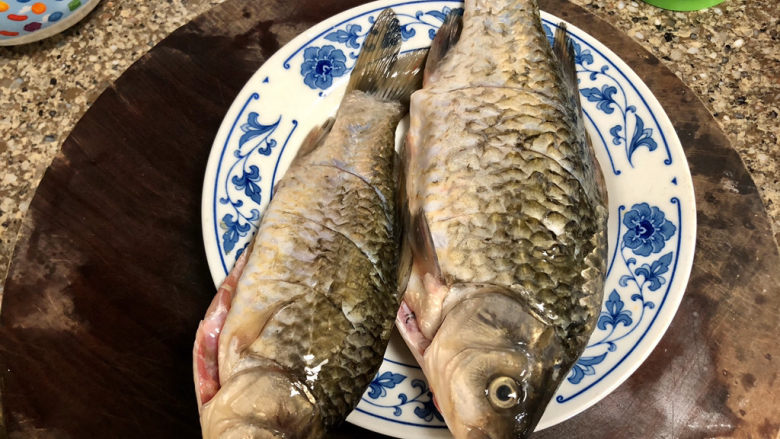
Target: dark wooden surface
109,278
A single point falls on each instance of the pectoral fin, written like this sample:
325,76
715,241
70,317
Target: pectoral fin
314,139
422,246
204,354
406,322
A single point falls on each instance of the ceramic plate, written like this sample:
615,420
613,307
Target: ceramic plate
652,214
23,22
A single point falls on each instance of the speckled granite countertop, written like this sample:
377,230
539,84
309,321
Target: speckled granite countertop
729,55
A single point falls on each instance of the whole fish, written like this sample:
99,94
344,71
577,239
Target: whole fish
290,355
507,212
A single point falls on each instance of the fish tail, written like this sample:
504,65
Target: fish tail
380,70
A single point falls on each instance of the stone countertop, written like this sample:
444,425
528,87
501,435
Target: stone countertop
729,55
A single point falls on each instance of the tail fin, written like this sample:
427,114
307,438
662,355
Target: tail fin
564,51
379,70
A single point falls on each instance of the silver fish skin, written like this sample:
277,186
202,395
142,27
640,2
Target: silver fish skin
290,353
507,213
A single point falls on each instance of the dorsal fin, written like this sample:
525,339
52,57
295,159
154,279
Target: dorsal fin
446,37
405,258
564,52
314,139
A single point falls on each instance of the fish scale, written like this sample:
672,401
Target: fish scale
360,197
491,121
297,331
491,56
486,148
337,216
508,216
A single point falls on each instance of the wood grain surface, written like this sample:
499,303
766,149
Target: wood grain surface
109,279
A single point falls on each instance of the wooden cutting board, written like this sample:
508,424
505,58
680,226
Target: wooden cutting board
109,278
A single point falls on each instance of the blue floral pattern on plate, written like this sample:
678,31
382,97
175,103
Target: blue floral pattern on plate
322,64
648,229
646,232
651,231
421,402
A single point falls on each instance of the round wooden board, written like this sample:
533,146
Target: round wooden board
109,278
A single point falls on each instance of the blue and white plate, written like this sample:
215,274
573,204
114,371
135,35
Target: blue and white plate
652,226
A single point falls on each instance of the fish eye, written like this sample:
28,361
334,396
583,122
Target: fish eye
503,392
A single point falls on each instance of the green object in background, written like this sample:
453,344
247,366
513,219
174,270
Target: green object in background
684,5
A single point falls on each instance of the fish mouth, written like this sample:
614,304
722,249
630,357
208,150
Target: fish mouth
254,431
259,402
478,433
519,431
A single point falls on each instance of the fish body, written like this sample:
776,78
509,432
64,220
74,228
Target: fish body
507,213
313,307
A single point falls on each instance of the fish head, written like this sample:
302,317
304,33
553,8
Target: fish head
493,367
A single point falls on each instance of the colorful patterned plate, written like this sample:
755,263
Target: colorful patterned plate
26,21
652,226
